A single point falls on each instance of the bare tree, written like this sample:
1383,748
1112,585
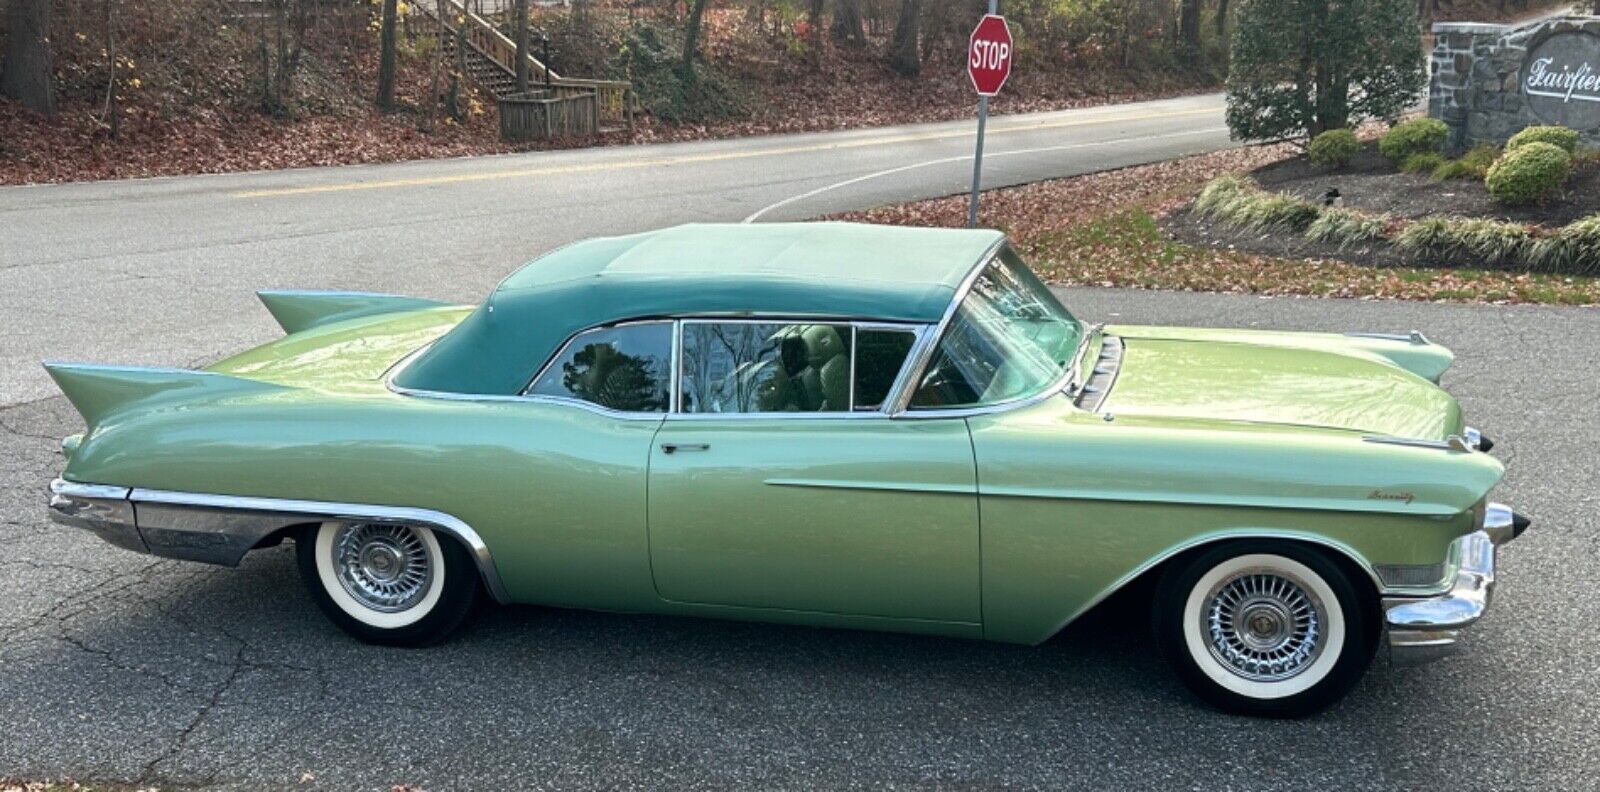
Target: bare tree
904,56
387,54
28,72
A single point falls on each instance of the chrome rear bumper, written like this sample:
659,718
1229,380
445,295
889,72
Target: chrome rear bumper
1422,629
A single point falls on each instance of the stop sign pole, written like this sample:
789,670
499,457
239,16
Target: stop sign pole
988,65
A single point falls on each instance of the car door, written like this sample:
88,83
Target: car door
778,483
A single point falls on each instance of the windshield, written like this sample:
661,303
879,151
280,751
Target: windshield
1010,338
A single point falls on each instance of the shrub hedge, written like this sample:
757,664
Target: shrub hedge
1410,138
1529,174
1558,136
1334,148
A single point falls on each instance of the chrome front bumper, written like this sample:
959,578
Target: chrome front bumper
1422,629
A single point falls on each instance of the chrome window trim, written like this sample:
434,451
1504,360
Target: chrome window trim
675,378
675,407
678,414
572,339
850,397
921,355
918,332
1062,384
492,398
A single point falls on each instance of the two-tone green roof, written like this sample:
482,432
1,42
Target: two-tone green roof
835,270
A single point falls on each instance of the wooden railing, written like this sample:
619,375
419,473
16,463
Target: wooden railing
543,115
614,97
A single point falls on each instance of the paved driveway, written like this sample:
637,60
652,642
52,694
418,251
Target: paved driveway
117,666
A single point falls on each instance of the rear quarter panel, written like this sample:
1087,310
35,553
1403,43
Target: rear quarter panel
557,493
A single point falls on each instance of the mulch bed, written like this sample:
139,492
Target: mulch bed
1371,184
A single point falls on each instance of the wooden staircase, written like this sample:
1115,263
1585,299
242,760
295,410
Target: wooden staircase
491,56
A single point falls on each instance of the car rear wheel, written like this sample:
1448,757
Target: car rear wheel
1265,628
386,583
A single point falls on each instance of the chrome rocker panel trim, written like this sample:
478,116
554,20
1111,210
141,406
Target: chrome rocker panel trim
220,529
1424,629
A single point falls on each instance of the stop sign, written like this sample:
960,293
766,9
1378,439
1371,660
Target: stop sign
989,55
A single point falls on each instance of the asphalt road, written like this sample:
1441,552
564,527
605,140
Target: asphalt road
115,666
162,271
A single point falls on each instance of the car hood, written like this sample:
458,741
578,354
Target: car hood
1343,390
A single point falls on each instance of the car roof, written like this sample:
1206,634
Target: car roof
843,270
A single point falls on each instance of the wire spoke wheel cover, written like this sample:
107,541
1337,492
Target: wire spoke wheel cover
385,567
1263,626
385,575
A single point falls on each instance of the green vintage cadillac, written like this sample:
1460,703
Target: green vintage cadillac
824,424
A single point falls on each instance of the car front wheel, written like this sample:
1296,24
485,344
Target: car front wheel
386,583
1265,628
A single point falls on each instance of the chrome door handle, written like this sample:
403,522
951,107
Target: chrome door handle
673,448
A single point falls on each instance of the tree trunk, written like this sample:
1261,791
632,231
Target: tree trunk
904,56
691,35
522,46
1222,18
818,41
113,111
387,54
847,22
28,73
1189,26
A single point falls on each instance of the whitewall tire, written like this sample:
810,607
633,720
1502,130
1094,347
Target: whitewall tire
1266,628
386,583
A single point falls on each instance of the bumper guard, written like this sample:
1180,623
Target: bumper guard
1422,629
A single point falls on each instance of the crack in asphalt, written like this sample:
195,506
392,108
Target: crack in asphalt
111,659
182,740
84,598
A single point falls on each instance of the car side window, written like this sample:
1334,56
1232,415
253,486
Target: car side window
765,367
626,368
880,355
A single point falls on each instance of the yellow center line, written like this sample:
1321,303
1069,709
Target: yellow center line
701,158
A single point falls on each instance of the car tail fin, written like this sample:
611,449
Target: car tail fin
99,391
303,310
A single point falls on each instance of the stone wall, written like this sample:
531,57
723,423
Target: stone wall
1490,81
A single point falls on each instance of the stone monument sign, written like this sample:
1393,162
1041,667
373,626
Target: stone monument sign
1490,81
